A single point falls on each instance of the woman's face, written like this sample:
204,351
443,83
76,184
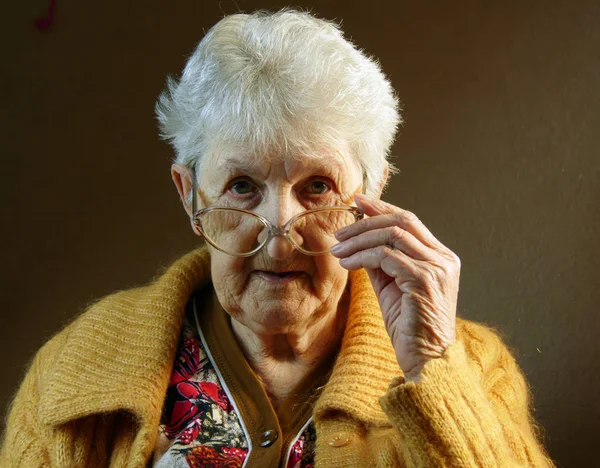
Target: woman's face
278,290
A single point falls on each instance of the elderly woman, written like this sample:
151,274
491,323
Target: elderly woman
318,325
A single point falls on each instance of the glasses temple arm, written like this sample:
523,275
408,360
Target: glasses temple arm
194,189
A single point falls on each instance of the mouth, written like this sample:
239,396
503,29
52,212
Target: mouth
279,277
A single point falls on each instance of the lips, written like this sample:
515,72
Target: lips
279,277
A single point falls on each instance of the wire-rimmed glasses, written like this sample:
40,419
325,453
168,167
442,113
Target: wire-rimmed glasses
242,233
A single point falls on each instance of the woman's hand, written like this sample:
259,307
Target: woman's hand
414,276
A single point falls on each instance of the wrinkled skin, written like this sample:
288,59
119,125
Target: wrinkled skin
285,329
278,189
415,277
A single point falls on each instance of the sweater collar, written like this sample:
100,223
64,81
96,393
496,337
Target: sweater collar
119,354
366,363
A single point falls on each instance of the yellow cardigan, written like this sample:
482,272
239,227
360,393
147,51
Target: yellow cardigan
93,394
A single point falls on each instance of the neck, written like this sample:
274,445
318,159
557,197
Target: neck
281,361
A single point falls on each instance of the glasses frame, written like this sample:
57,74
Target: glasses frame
273,230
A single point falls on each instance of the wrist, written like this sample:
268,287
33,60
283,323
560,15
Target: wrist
414,375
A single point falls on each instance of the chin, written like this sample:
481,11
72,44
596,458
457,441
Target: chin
279,314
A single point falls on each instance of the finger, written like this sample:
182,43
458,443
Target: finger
376,206
393,236
383,221
364,225
404,218
393,262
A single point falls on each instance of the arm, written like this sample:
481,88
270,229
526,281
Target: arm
471,408
22,444
26,441
464,401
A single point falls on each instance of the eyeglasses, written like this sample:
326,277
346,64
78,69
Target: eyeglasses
242,233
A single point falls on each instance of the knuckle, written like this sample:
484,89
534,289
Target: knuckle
396,233
410,217
453,262
448,268
399,217
384,250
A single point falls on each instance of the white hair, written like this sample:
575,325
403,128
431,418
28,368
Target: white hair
280,83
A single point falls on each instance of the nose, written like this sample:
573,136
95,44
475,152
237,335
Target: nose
279,247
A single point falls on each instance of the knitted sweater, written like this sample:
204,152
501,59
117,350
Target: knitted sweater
93,394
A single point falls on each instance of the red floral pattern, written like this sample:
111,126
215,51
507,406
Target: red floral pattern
199,421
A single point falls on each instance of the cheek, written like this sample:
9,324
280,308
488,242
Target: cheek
228,274
330,277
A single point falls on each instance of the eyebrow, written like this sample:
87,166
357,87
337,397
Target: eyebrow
327,165
247,164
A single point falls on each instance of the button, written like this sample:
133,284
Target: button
268,438
339,440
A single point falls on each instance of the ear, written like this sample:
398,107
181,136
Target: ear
383,181
182,178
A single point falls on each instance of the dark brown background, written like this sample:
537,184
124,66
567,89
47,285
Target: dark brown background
499,157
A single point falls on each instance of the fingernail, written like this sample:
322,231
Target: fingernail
336,248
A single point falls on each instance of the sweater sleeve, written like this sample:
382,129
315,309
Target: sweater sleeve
22,444
471,408
26,440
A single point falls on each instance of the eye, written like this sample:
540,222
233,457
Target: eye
318,187
242,187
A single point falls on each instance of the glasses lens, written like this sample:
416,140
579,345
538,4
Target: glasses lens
233,232
315,232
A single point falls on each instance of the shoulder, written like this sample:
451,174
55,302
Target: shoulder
54,347
473,333
169,288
